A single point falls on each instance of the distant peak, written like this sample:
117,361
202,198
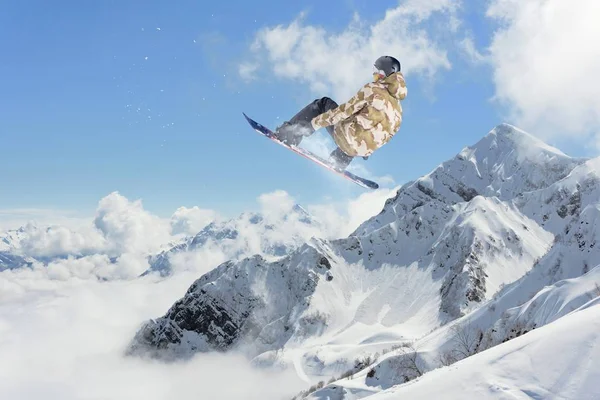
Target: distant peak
299,209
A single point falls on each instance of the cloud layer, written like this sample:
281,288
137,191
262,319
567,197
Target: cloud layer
65,339
117,242
63,329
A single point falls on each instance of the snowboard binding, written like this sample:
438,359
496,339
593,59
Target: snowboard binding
292,134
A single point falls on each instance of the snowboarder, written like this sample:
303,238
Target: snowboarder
361,125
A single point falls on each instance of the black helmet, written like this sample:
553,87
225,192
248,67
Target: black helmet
387,64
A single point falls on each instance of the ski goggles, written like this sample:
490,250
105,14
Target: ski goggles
378,73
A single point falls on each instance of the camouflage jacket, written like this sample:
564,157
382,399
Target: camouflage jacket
369,119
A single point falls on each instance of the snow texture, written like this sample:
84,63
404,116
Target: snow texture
557,361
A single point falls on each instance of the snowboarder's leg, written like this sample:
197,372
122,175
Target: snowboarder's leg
293,131
299,126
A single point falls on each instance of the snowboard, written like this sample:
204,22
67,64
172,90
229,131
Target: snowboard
263,130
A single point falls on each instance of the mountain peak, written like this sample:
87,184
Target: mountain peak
508,161
506,138
504,164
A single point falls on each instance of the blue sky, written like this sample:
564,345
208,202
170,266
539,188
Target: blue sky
146,98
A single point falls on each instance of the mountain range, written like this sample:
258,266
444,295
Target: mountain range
270,234
498,241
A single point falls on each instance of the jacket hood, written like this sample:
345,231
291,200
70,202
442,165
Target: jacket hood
395,85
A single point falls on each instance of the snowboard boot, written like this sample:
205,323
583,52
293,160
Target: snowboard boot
339,159
292,134
299,126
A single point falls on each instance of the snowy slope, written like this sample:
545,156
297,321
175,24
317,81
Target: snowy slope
9,260
558,361
548,305
272,235
444,245
575,249
464,338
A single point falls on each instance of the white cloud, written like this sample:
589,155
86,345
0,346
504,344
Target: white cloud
199,261
65,339
467,45
546,60
342,62
82,268
120,227
94,267
247,70
190,221
57,240
276,203
343,217
128,227
367,205
422,10
114,245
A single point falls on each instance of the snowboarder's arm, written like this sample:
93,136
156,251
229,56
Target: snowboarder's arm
340,113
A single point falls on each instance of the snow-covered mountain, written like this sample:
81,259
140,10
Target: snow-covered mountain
556,361
563,279
31,244
11,240
270,235
457,250
9,260
10,245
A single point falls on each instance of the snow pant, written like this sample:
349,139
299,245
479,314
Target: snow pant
312,110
